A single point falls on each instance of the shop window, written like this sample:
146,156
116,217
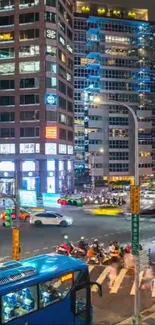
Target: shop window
28,166
50,149
7,148
62,149
29,147
19,303
54,290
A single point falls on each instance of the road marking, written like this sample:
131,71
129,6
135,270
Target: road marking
141,274
28,252
106,235
44,248
36,250
101,278
118,281
153,288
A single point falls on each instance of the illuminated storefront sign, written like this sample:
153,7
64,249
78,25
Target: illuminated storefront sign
51,132
7,166
50,200
28,198
50,99
51,34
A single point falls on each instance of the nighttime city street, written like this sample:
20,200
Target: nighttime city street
118,300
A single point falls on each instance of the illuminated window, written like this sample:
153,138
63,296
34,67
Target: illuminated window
7,166
6,37
50,165
28,166
69,48
61,40
62,148
51,132
144,154
7,53
7,68
70,150
61,165
51,50
7,148
29,67
29,147
69,165
29,50
50,148
84,61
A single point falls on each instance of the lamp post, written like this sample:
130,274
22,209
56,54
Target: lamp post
93,155
136,318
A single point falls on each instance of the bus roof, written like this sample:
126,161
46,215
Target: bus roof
36,269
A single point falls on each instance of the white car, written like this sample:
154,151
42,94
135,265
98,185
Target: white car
50,218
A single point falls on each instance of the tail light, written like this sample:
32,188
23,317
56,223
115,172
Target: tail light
59,201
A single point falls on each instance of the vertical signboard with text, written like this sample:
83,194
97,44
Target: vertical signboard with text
135,210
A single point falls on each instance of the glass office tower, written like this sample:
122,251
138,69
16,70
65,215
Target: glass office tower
114,60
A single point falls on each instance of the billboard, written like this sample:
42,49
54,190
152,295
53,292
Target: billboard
50,200
51,99
28,198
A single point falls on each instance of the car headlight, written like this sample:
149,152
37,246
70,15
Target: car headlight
69,220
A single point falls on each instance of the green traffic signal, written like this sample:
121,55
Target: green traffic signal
8,218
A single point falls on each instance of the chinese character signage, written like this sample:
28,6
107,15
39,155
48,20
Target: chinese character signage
51,132
135,199
135,234
50,99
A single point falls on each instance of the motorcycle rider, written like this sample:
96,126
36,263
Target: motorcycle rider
83,244
67,244
114,250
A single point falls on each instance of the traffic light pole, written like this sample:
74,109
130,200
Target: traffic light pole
17,205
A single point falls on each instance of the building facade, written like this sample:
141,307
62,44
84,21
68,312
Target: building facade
36,95
114,61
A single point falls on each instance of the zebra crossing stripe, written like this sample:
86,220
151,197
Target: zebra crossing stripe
101,278
141,274
91,267
153,288
118,281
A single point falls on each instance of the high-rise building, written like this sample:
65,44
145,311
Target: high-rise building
114,61
36,94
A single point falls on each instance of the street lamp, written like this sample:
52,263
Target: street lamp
136,320
93,155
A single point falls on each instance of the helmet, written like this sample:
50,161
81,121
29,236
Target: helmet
95,245
65,237
82,238
96,241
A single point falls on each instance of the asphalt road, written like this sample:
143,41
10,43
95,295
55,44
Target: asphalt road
117,302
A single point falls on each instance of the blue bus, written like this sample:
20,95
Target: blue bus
48,289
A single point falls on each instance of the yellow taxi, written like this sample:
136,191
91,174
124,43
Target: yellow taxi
24,214
108,209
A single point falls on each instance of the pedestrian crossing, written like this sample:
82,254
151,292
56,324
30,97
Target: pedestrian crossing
102,274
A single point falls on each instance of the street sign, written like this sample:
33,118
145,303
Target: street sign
135,234
15,244
135,199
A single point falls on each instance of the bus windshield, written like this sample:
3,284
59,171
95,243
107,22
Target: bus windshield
47,289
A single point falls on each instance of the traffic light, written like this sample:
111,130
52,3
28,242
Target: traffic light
7,218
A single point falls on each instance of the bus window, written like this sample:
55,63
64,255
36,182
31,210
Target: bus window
19,303
55,290
81,300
